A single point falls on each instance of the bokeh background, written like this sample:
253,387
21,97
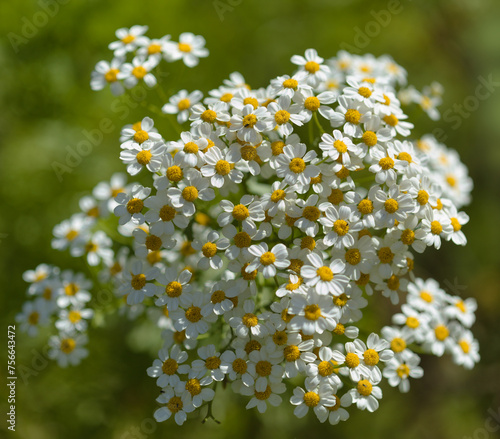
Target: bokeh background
47,103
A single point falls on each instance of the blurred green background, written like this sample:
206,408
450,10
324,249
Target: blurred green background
47,103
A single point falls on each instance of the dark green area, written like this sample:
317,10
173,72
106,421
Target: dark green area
47,104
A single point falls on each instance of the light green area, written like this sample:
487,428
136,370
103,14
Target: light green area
47,104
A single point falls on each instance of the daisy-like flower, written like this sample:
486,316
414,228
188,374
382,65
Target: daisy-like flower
386,166
234,365
337,412
438,339
137,282
131,137
352,361
190,49
219,167
162,216
248,322
209,248
223,296
146,242
313,313
128,39
74,289
309,216
462,310
247,212
68,349
366,395
426,295
96,248
375,350
283,115
466,351
325,278
458,219
435,226
350,114
339,147
261,396
71,233
107,74
311,104
293,165
154,48
397,124
168,366
196,390
209,362
399,369
298,354
340,225
74,319
173,286
312,65
33,315
359,257
363,91
130,206
323,370
249,123
145,155
139,70
194,187
215,114
268,261
318,398
279,198
415,323
181,103
176,403
188,149
190,319
392,205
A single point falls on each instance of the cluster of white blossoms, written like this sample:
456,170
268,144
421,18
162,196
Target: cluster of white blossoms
256,242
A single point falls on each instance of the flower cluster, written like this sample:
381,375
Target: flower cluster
255,241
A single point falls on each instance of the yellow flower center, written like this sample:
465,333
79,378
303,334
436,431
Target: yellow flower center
364,387
68,345
267,258
341,227
184,47
311,66
391,120
212,363
312,103
386,163
436,227
174,173
441,332
154,48
297,165
128,39
139,72
111,75
175,404
277,147
291,353
193,314
365,92
138,281
282,117
408,237
312,312
353,256
311,399
193,386
369,138
325,274
141,136
167,213
190,193
311,213
340,146
242,240
173,289
34,317
352,116
398,345
222,167
74,316
307,242
391,205
208,116
371,357
351,360
250,120
263,368
412,322
262,396
385,255
240,212
169,366
403,371
290,83
71,289
464,346
209,249
143,157
153,243
405,156
240,366
365,206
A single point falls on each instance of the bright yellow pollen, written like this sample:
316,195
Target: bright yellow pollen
312,103
71,289
391,205
141,136
351,360
267,258
405,156
291,353
436,227
340,146
277,147
425,296
451,180
422,197
184,47
386,163
174,173
352,116
249,153
290,83
183,104
365,92
209,249
365,206
341,300
364,387
311,399
278,195
282,117
72,234
127,39
391,120
250,120
312,312
209,116
143,157
222,167
371,357
111,75
441,332
403,371
456,225
341,227
398,344
297,165
193,314
369,138
169,366
139,72
412,322
74,316
251,101
191,148
464,346
325,368
173,289
240,212
325,274
68,345
311,66
190,193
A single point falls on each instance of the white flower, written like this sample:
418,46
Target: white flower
209,248
249,122
68,349
248,322
268,261
293,165
174,286
139,70
131,137
312,314
365,395
402,367
326,278
194,187
339,147
74,319
168,367
263,395
177,404
147,154
190,48
317,398
209,362
107,73
74,289
128,39
312,65
283,115
130,207
219,167
181,103
135,282
340,225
